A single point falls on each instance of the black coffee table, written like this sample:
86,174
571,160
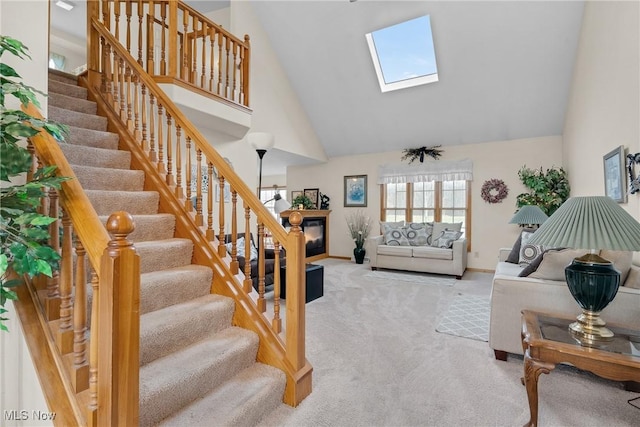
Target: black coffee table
314,282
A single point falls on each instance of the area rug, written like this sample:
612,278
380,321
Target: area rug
467,317
428,279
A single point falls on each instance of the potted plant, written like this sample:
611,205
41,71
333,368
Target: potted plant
302,200
23,231
549,190
359,228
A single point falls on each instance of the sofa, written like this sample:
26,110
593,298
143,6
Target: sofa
423,247
539,291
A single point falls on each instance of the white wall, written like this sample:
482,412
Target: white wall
72,48
604,104
26,21
489,225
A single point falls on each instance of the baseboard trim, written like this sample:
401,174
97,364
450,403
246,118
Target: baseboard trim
481,270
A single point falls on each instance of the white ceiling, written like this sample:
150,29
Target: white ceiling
505,69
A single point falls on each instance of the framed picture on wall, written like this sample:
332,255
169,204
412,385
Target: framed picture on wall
314,195
615,181
355,191
295,193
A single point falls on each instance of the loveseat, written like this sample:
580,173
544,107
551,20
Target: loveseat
423,247
545,290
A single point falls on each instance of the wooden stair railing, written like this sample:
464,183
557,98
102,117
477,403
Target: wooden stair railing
77,370
176,44
183,167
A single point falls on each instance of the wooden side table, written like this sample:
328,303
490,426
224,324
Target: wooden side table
546,341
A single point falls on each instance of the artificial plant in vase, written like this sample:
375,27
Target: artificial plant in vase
359,228
303,200
23,231
548,190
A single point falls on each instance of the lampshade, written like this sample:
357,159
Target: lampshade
592,223
261,140
595,222
529,214
280,204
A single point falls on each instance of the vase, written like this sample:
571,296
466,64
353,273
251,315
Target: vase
358,254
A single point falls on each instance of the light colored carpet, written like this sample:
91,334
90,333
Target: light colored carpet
378,361
467,317
424,278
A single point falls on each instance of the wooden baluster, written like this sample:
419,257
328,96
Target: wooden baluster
193,78
220,37
122,110
108,73
64,337
221,218
136,110
106,13
52,299
245,70
227,71
163,45
198,218
140,15
295,319
92,409
185,43
276,324
188,203
247,283
116,12
103,67
128,12
261,303
169,179
212,58
129,102
203,78
119,327
116,82
234,266
178,192
145,142
80,369
209,233
174,64
151,24
161,167
152,129
235,71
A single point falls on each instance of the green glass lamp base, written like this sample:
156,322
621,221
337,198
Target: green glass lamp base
590,329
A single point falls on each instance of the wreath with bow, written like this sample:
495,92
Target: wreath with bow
494,191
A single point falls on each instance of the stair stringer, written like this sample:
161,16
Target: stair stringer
271,349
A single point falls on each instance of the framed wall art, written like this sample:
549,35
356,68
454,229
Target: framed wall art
295,193
314,195
615,181
355,191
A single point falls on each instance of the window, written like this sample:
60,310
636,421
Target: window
442,201
403,54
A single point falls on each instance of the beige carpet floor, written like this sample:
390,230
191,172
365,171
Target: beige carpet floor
378,361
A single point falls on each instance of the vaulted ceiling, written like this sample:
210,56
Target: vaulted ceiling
505,70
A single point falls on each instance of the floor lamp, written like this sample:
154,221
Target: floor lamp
261,141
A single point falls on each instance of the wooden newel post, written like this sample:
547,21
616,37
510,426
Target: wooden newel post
119,326
295,334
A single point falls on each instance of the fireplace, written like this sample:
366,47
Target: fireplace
314,227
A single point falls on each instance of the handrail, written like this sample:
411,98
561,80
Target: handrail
164,140
193,50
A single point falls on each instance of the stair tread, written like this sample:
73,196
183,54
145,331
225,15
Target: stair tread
171,382
95,156
62,76
105,202
150,227
97,178
191,321
72,103
77,119
260,386
157,255
66,88
91,138
178,284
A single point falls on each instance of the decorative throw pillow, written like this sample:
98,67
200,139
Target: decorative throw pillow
446,238
417,234
551,263
240,249
386,226
514,255
439,227
633,279
528,252
621,261
395,237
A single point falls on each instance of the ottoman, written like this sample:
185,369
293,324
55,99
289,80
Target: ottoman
314,279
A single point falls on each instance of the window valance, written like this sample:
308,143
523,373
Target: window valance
435,170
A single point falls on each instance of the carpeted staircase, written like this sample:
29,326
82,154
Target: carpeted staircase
195,367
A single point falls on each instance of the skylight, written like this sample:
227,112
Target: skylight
403,54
